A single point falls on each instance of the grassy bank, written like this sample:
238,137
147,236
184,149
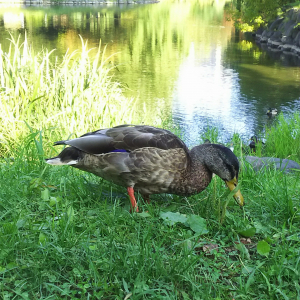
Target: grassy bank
57,94
65,234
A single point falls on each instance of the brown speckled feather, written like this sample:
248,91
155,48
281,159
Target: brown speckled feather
148,170
127,137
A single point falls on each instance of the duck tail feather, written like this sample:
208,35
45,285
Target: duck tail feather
60,143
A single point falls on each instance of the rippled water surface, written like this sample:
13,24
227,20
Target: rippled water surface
182,60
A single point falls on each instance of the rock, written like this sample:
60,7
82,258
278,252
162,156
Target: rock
276,36
298,17
291,14
282,33
268,163
267,34
259,31
274,26
297,39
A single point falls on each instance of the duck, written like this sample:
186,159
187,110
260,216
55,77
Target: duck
272,112
254,141
149,160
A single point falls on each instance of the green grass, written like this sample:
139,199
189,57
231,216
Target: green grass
284,138
70,94
66,234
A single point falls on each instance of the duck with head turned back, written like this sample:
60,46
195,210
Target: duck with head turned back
149,160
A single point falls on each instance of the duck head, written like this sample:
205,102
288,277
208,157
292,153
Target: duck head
223,162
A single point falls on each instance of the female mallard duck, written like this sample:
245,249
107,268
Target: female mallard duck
150,160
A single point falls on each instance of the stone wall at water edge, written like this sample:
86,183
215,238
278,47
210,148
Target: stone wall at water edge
283,33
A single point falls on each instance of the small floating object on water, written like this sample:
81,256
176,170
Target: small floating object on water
149,160
272,111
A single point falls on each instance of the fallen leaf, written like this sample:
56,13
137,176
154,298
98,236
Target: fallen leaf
246,241
209,248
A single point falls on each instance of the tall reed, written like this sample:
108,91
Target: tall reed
40,91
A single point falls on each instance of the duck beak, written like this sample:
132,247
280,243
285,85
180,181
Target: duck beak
237,196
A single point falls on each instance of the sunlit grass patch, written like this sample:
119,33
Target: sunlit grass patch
283,139
74,94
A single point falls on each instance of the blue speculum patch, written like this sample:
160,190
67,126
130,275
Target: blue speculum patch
119,150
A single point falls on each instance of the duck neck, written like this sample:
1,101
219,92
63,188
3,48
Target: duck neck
199,176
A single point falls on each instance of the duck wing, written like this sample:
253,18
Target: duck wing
125,138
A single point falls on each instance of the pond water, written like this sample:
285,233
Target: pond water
178,59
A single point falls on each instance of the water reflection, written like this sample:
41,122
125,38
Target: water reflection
180,59
207,94
233,91
13,21
267,79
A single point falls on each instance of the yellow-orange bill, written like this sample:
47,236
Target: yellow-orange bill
238,195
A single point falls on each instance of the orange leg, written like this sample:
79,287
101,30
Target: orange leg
134,206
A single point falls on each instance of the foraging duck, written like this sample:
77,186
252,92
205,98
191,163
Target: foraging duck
254,141
272,112
149,160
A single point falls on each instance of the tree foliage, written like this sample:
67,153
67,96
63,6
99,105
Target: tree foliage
250,14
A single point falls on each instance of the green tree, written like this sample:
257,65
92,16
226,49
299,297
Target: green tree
250,14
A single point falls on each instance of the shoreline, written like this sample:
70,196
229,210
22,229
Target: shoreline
283,33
